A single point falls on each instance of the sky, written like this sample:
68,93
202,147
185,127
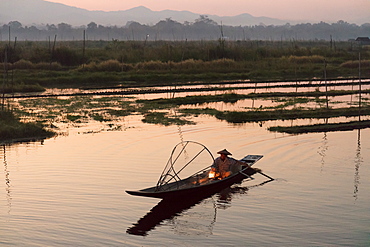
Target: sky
320,10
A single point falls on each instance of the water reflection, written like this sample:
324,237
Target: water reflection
224,198
358,161
165,209
176,209
7,179
322,149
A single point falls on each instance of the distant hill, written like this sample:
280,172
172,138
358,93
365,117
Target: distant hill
38,12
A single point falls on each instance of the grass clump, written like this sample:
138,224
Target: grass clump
304,59
109,66
301,129
21,87
163,119
161,61
12,129
355,64
195,99
279,114
73,118
100,117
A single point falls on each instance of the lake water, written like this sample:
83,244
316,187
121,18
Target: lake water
70,190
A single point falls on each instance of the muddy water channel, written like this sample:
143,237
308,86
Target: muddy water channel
70,190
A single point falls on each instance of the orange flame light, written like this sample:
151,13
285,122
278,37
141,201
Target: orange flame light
211,174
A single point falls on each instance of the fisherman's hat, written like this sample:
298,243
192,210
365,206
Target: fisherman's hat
224,152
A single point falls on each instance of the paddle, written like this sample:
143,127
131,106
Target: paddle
265,175
246,175
260,172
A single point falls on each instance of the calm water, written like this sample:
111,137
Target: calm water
70,191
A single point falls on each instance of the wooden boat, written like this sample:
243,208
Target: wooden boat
170,185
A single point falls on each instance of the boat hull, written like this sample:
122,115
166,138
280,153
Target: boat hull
201,190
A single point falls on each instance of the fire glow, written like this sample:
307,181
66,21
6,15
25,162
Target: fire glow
211,174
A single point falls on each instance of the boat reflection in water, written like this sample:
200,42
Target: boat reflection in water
174,209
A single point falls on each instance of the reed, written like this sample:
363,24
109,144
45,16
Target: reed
164,61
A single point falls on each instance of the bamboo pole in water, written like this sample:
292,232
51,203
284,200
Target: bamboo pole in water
326,86
53,49
359,86
4,76
83,48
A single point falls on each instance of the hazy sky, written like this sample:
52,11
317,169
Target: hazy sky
320,10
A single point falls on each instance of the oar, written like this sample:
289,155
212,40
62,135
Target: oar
246,175
257,170
267,176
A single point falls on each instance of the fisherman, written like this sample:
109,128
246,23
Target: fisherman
223,165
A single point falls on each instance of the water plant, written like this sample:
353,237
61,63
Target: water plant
108,62
164,119
301,129
12,129
279,114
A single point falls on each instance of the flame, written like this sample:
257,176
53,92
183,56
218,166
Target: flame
211,174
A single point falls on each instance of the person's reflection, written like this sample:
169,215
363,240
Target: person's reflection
225,196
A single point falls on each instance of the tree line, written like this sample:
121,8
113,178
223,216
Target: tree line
202,28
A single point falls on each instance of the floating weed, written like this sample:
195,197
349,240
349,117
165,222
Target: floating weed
12,128
196,112
291,102
322,127
163,119
73,118
119,113
279,114
100,118
195,99
113,127
78,108
158,111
